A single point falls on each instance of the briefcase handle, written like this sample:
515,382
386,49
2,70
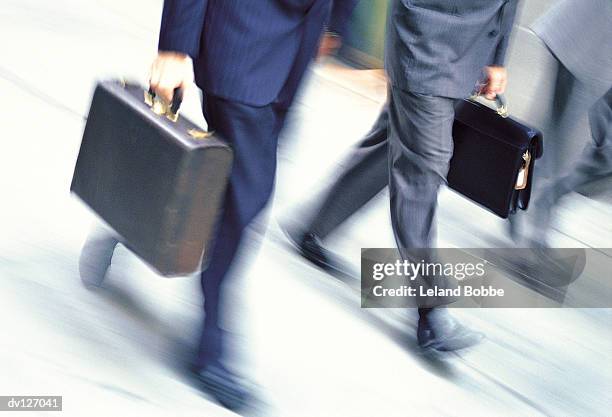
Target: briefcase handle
160,107
501,105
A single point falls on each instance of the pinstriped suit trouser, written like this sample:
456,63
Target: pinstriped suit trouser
420,150
409,148
594,163
253,134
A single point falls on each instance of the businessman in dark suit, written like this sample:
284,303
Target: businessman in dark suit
436,51
248,57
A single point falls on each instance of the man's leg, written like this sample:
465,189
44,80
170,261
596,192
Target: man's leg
420,150
96,255
253,134
571,101
594,163
365,175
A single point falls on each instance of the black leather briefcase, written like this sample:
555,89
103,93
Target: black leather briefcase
157,181
494,157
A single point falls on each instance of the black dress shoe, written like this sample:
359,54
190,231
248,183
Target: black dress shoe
225,387
438,330
311,248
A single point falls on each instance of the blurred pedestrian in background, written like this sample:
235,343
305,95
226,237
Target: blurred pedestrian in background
578,33
435,54
248,57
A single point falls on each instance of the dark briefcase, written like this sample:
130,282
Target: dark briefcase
158,182
494,157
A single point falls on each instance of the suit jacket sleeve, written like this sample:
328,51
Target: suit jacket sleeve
507,22
341,11
181,26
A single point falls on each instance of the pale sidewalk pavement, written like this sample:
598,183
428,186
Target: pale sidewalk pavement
120,351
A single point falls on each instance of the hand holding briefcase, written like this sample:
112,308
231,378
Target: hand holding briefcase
157,180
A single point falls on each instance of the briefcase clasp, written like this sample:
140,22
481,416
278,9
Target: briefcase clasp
199,134
523,175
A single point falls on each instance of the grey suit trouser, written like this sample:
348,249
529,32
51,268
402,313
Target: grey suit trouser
364,174
409,148
594,163
420,150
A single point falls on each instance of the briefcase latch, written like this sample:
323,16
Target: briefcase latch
523,175
199,134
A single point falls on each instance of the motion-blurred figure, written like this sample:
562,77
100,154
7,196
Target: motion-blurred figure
248,57
435,54
577,33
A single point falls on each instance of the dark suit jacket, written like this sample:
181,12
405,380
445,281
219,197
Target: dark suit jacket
439,47
251,51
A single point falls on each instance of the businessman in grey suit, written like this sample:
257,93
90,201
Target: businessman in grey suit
436,51
577,33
